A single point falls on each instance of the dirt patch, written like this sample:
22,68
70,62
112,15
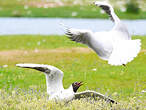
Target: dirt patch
144,50
70,50
12,57
46,56
11,53
57,3
45,4
51,4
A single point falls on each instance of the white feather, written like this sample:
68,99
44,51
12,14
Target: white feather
124,51
114,46
54,77
55,88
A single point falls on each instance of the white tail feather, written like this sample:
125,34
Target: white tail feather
124,52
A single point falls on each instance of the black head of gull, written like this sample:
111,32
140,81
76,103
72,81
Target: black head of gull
76,86
55,90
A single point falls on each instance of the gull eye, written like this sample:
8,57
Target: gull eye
75,83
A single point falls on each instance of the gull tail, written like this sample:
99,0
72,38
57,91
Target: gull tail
124,51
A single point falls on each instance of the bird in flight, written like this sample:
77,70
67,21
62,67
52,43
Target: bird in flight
55,90
115,46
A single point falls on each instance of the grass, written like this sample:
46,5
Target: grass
37,101
25,89
18,9
29,42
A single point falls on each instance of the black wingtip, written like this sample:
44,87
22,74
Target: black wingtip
114,102
124,65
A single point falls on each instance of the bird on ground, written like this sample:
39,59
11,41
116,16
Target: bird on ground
55,90
115,46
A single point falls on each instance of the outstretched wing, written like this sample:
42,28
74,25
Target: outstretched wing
119,26
77,35
93,94
54,76
108,9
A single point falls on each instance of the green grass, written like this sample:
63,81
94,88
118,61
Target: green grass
32,42
24,88
14,42
16,9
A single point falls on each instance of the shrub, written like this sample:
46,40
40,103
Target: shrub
132,6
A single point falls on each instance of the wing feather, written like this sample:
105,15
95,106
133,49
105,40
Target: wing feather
93,94
119,26
54,76
77,35
107,8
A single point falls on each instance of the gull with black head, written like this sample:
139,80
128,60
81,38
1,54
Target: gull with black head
55,90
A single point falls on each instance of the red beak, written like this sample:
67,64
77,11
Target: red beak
80,83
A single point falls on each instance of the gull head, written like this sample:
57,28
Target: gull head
76,85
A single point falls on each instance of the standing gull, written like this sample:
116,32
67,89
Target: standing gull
55,88
114,46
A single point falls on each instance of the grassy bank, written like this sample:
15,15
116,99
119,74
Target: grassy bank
24,89
26,9
29,42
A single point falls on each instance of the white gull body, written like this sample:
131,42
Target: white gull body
114,46
54,77
55,90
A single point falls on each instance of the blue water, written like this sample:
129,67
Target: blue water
51,26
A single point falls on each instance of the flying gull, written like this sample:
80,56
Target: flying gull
55,90
114,46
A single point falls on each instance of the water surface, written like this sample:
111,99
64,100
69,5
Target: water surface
51,26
